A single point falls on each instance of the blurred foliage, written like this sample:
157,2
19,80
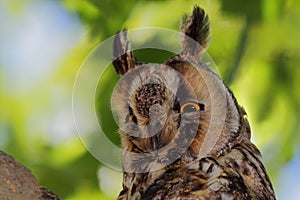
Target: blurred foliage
255,44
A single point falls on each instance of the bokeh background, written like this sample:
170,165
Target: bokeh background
255,44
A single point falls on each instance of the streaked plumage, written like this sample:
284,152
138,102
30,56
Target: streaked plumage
160,106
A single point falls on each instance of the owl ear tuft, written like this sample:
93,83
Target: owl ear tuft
196,32
123,57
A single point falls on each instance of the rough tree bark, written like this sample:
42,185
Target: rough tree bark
17,182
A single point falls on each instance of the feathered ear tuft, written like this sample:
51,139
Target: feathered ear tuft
123,57
196,28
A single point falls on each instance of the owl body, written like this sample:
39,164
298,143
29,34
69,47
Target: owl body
183,134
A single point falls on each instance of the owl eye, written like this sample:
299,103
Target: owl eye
191,107
131,117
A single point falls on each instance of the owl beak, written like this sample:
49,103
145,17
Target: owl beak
155,143
154,129
155,125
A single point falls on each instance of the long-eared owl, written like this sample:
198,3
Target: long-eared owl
183,134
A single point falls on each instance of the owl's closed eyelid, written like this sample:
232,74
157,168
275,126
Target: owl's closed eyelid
187,117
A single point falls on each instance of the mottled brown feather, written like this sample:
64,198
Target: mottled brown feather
217,161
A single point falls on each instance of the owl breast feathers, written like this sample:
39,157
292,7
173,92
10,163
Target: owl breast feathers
183,133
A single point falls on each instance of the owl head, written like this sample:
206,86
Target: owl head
175,111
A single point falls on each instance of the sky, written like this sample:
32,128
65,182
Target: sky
34,38
289,187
